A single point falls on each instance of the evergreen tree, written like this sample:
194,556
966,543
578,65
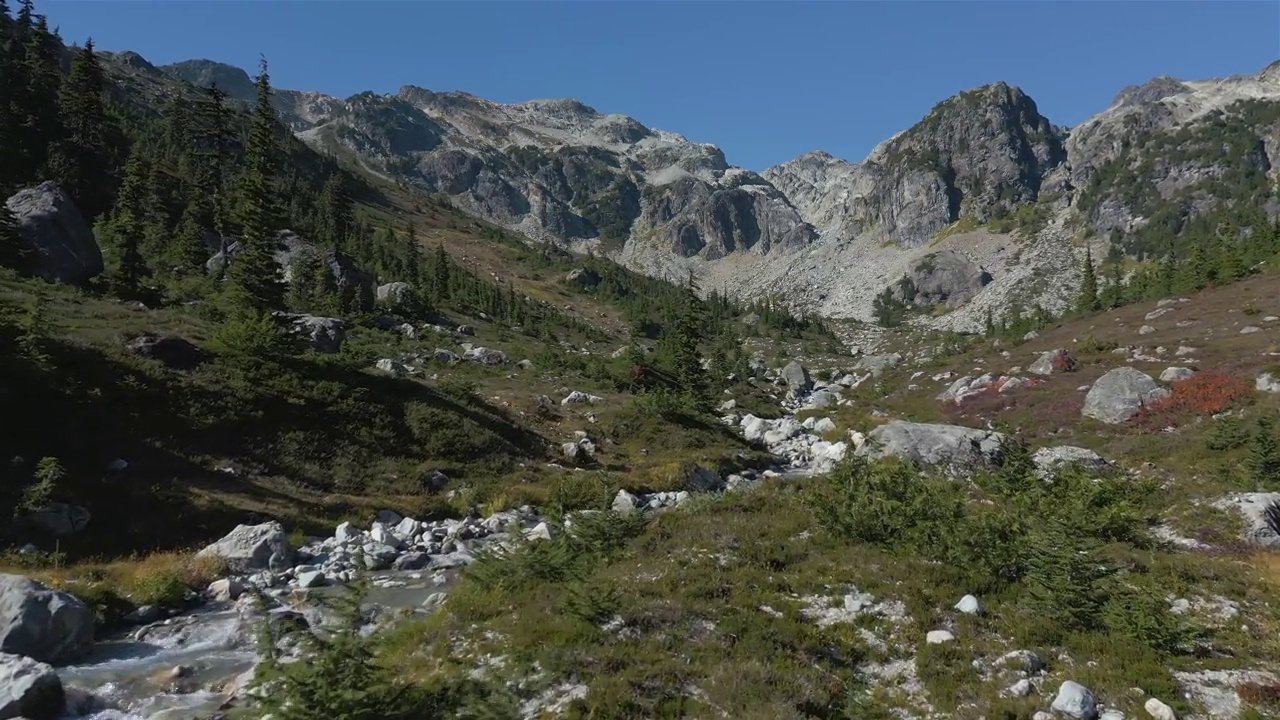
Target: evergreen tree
685,361
1167,279
441,279
412,263
1264,455
1112,295
14,253
189,252
41,122
254,282
1087,301
127,224
80,161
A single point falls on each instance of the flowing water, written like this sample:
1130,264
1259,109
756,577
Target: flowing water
133,677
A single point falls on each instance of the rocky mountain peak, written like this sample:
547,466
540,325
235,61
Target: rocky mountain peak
1152,91
203,73
1270,73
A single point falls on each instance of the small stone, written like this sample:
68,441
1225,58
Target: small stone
1020,689
1250,329
1146,330
969,605
314,578
144,615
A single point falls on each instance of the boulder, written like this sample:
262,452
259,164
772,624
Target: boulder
1266,383
250,547
584,277
1120,394
1054,361
951,447
62,244
395,294
1075,700
1158,710
171,350
876,364
1052,458
29,689
485,356
326,334
624,502
225,590
1174,374
60,519
43,624
448,357
939,637
797,377
1260,515
969,605
946,278
703,480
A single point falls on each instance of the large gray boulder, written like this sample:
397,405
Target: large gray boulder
956,449
60,519
395,294
1120,394
1075,700
1054,361
797,377
876,364
43,624
1050,459
325,334
251,547
29,689
947,278
52,227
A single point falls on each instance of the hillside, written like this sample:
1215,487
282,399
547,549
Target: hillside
388,407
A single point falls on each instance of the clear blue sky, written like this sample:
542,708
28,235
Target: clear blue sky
764,81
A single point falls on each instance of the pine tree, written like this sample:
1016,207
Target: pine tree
412,264
1087,300
38,106
1167,280
80,161
189,252
14,253
1113,295
127,224
254,282
1264,455
440,286
13,81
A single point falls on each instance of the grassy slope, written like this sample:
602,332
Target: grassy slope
700,613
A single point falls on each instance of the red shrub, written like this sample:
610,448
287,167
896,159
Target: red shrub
1200,394
1064,363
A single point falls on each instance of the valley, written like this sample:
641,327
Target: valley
422,405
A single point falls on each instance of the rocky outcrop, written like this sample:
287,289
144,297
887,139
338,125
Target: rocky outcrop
42,624
956,449
945,278
978,154
324,334
354,286
1120,394
52,228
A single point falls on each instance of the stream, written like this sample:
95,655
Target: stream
176,669
189,666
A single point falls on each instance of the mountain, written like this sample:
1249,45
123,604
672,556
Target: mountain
984,174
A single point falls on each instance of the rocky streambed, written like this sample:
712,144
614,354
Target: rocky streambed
200,662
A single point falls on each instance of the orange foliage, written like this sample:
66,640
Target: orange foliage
1200,394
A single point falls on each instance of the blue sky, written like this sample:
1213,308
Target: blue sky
765,81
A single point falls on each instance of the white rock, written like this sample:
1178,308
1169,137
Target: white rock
938,637
1076,700
1174,374
225,590
538,532
1020,689
1146,330
314,578
969,605
1250,329
1158,710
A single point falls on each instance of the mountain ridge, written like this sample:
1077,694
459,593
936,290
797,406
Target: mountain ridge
559,170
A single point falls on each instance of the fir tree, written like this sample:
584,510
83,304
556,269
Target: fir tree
127,224
1112,295
1264,455
80,161
254,282
1087,300
189,252
441,279
14,253
412,264
41,121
